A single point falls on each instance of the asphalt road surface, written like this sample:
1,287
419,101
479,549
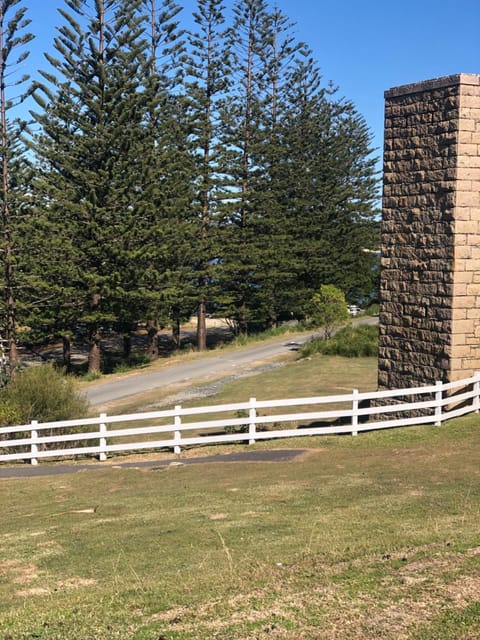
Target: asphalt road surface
224,364
30,471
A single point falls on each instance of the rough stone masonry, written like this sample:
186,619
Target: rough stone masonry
430,266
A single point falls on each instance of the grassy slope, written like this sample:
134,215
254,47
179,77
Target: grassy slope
363,538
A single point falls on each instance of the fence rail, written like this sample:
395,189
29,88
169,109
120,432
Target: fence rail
244,421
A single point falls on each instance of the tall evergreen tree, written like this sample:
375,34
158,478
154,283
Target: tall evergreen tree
276,273
208,76
330,186
242,122
167,175
90,123
13,37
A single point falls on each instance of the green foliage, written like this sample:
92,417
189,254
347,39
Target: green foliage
329,308
15,184
91,376
90,177
373,309
174,172
351,342
132,363
41,393
10,413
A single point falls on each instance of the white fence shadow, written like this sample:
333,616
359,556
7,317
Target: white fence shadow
240,422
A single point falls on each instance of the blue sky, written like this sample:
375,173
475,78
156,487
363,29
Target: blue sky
364,47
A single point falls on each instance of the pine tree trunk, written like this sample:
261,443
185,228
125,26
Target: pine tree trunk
176,334
94,354
152,332
243,322
127,346
67,353
11,334
201,326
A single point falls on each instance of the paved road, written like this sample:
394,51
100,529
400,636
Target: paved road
29,471
226,363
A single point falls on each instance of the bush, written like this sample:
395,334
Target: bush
373,309
41,393
9,413
351,342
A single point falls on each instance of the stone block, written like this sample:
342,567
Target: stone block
459,313
472,291
472,265
473,313
468,198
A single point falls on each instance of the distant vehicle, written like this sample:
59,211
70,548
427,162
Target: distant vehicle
294,346
353,310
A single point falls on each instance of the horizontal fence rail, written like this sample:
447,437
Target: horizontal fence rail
180,427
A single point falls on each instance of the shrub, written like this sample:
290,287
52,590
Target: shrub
9,413
351,342
43,393
373,309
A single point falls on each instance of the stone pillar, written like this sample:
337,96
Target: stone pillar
430,276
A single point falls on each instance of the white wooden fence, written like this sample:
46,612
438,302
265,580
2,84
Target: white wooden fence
184,427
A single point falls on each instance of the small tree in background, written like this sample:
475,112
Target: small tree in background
329,308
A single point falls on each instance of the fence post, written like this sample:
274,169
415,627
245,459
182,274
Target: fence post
252,416
102,456
33,440
438,403
177,436
355,412
476,388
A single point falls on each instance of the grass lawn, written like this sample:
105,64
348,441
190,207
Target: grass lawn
369,537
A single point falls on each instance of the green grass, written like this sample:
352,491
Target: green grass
362,538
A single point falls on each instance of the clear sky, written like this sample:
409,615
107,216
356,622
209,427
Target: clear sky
364,47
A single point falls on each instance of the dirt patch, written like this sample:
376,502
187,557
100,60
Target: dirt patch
463,591
76,582
19,573
34,591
